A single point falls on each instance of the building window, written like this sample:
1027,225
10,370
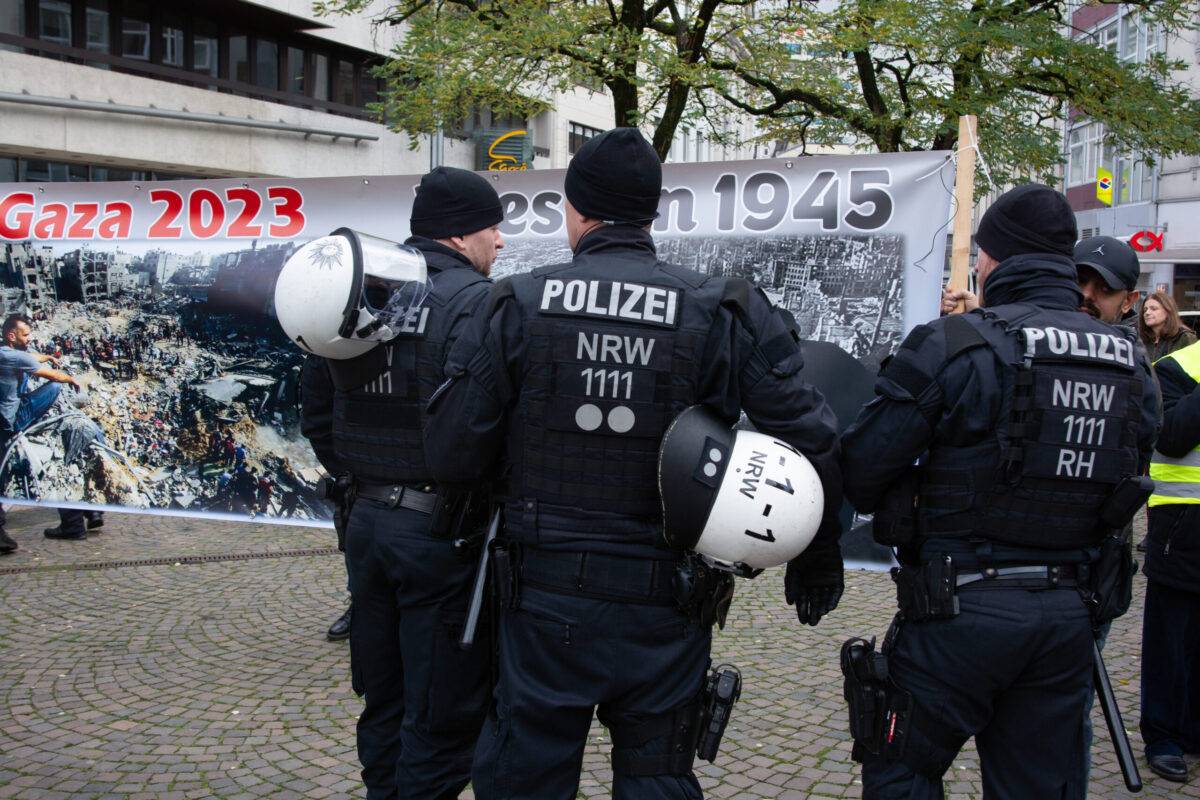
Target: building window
239,59
43,171
1087,152
12,17
293,67
345,83
368,85
135,31
320,77
295,70
266,64
578,134
172,41
97,23
204,48
40,171
1135,180
54,21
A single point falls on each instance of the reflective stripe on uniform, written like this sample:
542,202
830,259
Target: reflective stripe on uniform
1166,493
1177,480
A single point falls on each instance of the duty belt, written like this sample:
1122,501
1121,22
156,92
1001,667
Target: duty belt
1060,575
399,496
604,577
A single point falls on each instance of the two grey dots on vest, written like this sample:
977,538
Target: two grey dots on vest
589,417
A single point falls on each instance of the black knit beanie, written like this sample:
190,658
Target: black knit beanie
615,177
454,202
1031,218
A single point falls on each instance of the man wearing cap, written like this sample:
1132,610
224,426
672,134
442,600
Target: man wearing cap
425,698
565,385
1108,272
1108,276
1012,502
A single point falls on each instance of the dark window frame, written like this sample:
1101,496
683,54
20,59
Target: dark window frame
90,168
185,74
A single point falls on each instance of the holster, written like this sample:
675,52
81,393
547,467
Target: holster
506,574
928,591
722,688
1127,497
880,712
702,592
895,520
1106,585
340,492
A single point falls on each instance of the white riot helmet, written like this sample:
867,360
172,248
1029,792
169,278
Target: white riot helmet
338,296
745,500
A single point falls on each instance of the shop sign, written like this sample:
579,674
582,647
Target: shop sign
1147,241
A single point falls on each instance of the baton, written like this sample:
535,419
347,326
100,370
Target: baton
477,591
1116,726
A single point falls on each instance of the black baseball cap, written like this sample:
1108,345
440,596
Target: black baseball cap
1114,260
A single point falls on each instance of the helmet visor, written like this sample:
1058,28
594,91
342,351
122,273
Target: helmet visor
395,283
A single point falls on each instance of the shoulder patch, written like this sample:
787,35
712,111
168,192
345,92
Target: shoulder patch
961,336
916,337
688,276
549,269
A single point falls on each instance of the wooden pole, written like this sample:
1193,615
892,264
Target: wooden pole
964,204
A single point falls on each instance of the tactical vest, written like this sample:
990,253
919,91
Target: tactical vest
1177,480
1067,433
380,401
613,356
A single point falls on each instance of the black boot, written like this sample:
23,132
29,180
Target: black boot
57,532
340,629
7,543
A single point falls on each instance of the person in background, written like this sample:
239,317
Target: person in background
1170,712
74,524
1161,328
7,543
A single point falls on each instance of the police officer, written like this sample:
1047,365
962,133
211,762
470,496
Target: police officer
1107,270
1032,421
425,698
564,385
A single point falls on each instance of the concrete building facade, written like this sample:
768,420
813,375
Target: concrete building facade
1156,204
137,90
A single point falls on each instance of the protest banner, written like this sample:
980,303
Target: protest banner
158,298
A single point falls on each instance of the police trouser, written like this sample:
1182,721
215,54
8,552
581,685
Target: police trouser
563,656
1013,669
425,698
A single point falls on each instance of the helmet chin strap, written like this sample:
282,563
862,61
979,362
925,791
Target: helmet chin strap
375,329
737,568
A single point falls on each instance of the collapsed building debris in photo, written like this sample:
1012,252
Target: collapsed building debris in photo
189,397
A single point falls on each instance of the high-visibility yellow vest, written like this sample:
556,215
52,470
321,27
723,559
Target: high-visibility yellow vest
1177,480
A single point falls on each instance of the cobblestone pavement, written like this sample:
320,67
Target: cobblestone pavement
185,677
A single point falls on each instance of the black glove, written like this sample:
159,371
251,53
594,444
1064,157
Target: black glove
814,581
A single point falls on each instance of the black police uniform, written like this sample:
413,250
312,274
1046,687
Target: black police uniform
316,413
570,378
1021,444
425,698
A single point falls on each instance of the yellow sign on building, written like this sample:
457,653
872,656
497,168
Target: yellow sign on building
1104,186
